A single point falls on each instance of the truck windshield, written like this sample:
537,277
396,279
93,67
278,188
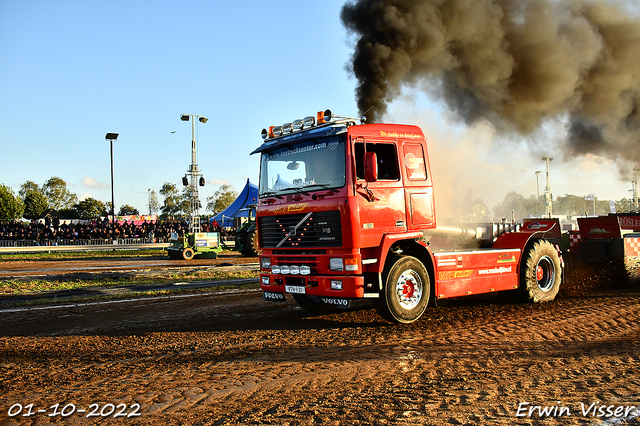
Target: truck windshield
312,164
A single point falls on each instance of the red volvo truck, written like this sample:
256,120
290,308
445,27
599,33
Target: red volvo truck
346,211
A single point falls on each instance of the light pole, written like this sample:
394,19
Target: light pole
112,137
548,196
538,192
635,190
194,173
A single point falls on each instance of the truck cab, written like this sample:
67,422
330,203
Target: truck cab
345,211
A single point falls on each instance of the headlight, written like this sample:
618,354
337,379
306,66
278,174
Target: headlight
265,280
294,270
335,264
284,269
265,262
275,269
305,270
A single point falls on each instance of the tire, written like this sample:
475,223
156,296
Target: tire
174,254
406,291
540,273
309,305
187,253
250,243
254,242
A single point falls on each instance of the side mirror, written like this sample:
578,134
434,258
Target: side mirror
370,167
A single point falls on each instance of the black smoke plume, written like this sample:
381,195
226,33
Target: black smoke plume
512,62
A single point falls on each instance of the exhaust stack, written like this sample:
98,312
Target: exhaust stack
456,232
471,235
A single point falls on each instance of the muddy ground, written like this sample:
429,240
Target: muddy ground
230,358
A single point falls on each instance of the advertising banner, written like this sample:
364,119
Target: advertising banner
137,219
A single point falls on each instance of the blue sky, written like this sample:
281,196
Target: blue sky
71,71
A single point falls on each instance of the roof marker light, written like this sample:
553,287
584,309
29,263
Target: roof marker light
320,118
287,128
277,131
328,116
264,133
297,125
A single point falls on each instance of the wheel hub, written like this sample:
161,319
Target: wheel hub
409,289
545,273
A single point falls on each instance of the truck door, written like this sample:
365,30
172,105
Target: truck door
381,202
418,188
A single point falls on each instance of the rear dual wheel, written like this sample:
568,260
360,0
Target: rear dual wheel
406,292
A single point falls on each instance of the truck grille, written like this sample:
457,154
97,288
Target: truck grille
312,262
320,229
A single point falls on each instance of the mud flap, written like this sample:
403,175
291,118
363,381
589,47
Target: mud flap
272,296
336,302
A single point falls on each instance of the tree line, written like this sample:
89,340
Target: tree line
178,202
33,201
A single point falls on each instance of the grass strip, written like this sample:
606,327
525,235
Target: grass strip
136,294
80,255
13,286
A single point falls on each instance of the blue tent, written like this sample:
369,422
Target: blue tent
249,195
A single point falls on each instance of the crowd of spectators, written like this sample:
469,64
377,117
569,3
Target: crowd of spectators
55,232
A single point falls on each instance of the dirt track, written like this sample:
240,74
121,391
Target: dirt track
233,359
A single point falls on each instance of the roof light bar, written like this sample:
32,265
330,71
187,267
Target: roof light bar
322,117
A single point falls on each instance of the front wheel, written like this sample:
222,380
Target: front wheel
541,273
406,292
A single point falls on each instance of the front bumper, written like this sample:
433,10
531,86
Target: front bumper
352,286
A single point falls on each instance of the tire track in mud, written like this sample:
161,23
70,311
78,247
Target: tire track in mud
457,365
